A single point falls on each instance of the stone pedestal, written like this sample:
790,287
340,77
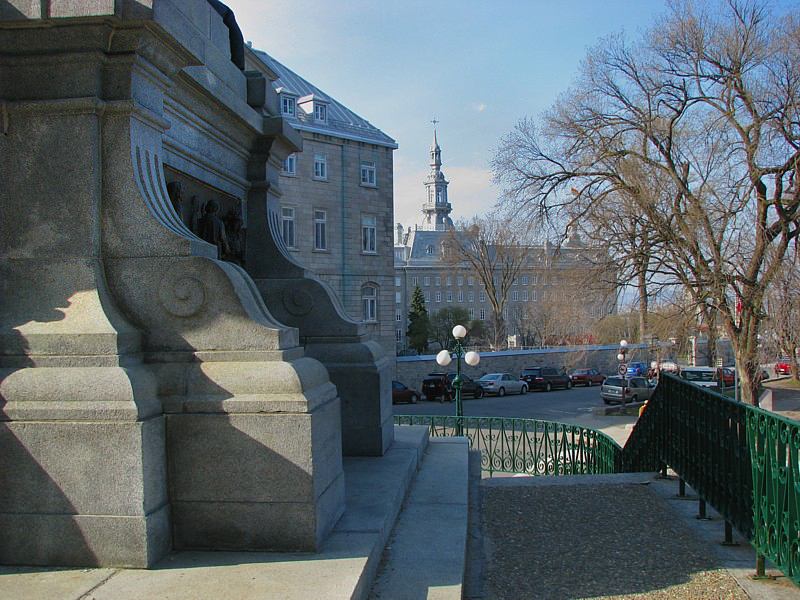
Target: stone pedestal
150,399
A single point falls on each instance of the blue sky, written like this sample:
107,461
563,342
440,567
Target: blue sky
478,67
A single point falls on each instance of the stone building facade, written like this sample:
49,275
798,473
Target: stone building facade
336,197
544,284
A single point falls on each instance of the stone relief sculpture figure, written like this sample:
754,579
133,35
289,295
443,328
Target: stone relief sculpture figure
175,193
233,230
212,229
197,214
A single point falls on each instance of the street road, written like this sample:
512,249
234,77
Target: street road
557,405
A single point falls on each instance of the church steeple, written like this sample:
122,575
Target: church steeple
436,208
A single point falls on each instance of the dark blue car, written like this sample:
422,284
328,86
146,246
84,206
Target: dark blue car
636,369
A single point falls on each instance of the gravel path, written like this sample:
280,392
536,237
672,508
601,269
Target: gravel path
593,541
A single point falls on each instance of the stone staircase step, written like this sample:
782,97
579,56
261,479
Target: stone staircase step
426,553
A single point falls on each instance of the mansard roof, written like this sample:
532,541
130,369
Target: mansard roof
341,121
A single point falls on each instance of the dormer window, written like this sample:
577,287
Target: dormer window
430,249
314,107
287,105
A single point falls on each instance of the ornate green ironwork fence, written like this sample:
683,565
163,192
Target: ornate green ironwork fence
742,460
528,445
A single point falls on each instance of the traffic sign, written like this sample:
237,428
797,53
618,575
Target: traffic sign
623,368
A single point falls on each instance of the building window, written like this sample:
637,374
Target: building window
534,280
525,296
470,280
399,335
524,281
427,296
544,279
514,281
483,314
397,282
368,173
459,281
449,281
553,280
471,313
437,281
460,296
515,296
287,226
369,296
398,297
398,315
533,296
494,281
544,296
426,281
415,281
290,165
429,249
320,112
482,297
320,165
287,105
368,233
438,296
470,296
449,296
320,230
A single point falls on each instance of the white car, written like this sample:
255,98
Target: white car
702,376
502,384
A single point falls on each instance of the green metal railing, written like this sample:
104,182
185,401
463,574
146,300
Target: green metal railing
742,460
528,445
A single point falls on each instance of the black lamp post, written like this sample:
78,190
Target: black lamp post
471,358
623,368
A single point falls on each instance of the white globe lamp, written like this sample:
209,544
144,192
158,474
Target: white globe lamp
459,331
472,358
443,358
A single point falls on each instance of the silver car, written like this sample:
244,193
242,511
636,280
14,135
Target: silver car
502,384
637,389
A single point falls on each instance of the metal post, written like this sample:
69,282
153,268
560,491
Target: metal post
701,511
760,570
728,541
457,383
681,488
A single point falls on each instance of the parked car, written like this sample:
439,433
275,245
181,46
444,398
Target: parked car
587,377
545,378
439,385
702,376
403,393
502,384
637,369
637,389
783,367
727,375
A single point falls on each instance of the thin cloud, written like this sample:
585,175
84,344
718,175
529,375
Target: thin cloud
479,107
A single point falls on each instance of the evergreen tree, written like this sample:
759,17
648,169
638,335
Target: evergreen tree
418,322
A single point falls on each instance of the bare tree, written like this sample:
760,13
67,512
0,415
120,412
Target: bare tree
783,310
696,126
495,248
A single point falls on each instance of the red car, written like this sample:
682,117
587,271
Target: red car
727,374
783,367
402,393
587,377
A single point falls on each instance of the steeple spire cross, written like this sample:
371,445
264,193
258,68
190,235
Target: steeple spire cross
434,121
